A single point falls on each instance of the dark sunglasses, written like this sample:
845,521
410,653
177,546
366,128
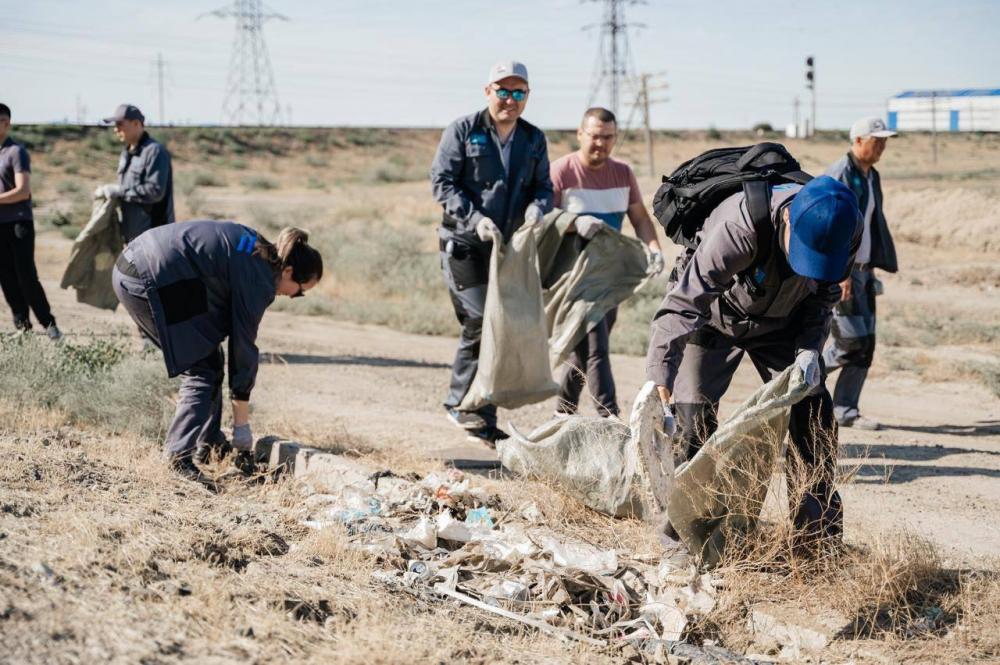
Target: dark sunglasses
298,294
504,93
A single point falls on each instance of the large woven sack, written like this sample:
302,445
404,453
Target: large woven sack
514,351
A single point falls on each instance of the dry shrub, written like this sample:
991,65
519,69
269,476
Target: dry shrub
891,589
97,382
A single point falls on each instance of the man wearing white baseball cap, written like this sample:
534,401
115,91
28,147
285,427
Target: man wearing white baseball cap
490,174
852,343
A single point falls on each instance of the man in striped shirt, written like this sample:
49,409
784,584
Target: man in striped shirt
603,191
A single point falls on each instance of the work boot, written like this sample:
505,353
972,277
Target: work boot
466,419
185,467
488,436
204,451
860,422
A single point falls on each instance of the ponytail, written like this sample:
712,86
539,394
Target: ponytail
292,250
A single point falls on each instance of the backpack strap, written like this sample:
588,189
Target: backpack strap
758,200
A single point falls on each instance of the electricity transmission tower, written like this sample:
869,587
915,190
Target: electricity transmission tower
251,95
614,59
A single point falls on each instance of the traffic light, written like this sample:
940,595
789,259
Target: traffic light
810,73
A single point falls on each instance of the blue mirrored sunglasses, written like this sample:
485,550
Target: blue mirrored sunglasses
504,93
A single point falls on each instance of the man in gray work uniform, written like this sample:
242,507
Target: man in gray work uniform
710,318
145,184
490,173
852,340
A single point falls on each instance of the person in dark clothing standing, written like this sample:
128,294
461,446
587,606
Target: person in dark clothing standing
852,340
188,287
490,174
145,184
18,275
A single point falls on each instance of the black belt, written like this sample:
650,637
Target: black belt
125,267
862,266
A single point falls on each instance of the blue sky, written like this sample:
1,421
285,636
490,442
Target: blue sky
406,63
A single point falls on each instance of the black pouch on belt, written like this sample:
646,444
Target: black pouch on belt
468,266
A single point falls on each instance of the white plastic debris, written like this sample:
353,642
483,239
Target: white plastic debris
509,590
422,533
581,556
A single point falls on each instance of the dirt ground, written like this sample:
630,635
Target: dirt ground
934,471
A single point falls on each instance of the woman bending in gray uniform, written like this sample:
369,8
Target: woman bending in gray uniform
189,286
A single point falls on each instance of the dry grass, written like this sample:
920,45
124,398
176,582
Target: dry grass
105,556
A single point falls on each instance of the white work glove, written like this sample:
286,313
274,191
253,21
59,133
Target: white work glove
242,437
669,422
587,226
656,263
808,362
485,229
532,215
110,191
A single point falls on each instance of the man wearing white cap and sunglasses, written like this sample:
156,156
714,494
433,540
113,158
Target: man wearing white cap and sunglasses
852,342
490,174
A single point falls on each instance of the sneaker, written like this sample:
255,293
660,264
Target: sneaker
466,419
860,422
53,332
488,436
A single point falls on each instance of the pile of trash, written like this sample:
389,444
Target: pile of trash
442,536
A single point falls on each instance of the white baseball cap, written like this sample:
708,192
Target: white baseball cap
505,68
873,126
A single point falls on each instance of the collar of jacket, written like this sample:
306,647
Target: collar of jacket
853,162
143,140
486,122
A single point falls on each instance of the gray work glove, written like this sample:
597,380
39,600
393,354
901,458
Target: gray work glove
486,229
656,263
110,191
532,215
587,226
669,422
808,362
242,437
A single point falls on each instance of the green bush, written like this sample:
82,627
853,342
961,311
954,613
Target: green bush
97,383
68,187
259,182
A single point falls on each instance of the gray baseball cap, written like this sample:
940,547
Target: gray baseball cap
126,112
873,126
505,68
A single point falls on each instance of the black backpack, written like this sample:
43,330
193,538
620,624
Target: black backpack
689,194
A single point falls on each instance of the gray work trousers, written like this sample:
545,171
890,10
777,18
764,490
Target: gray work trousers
466,272
705,373
198,415
852,344
591,362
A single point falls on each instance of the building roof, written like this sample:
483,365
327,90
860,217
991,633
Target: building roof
963,92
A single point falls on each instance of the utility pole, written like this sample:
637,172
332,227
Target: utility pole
811,84
614,56
159,86
643,101
250,84
81,111
798,128
934,125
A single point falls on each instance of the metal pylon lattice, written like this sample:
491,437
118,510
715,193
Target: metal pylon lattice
614,67
251,94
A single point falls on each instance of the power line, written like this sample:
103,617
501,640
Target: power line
251,78
614,57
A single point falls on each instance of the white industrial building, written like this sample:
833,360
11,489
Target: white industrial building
968,110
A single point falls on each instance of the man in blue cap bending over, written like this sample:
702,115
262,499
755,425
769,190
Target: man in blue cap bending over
709,319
